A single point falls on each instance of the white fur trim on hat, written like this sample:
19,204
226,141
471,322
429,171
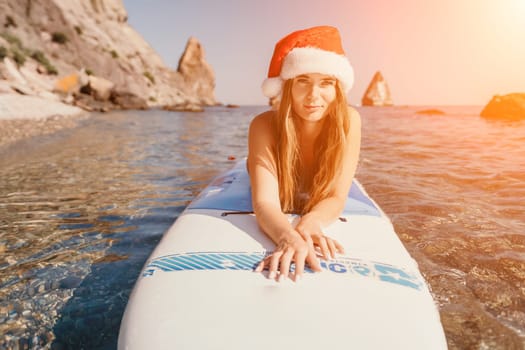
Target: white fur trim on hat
271,87
304,60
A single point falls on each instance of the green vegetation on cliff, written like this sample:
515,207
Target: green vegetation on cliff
19,53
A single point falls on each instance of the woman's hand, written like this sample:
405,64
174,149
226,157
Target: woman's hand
290,248
309,227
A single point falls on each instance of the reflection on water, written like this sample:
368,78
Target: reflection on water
81,210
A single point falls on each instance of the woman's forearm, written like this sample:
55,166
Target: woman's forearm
327,210
272,221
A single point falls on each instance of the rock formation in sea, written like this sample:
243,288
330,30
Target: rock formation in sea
104,61
197,73
505,107
377,93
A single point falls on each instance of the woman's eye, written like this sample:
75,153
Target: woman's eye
328,83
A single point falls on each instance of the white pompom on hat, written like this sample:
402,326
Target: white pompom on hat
312,50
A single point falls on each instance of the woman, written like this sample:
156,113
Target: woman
302,157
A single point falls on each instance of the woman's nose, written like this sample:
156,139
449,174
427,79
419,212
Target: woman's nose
313,90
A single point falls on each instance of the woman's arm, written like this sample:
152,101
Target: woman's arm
329,209
263,179
290,246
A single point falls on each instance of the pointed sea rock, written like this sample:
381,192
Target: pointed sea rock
197,73
377,93
506,107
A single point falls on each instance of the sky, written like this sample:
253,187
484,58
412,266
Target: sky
430,52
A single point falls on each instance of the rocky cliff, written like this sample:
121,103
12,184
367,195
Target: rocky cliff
49,45
377,93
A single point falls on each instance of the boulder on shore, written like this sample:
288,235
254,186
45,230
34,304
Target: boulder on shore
117,99
377,93
99,88
505,107
127,100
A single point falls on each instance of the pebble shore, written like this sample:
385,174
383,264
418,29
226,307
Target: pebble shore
23,116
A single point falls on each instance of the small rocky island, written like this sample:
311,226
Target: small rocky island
509,107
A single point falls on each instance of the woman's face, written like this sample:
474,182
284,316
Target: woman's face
312,94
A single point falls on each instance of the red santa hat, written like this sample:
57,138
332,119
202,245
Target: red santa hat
312,50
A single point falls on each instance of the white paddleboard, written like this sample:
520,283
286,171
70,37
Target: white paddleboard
198,289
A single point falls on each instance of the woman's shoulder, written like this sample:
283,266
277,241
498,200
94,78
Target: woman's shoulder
262,123
263,119
261,140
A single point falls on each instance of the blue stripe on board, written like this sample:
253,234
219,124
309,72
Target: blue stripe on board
231,260
210,261
248,261
197,263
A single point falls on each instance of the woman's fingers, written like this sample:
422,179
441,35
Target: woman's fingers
312,261
331,247
284,267
274,264
339,247
328,247
279,263
324,247
260,266
302,253
300,258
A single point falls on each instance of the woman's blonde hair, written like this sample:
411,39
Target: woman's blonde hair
329,149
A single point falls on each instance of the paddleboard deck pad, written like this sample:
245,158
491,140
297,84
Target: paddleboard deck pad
198,289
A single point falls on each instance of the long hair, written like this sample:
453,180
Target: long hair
329,149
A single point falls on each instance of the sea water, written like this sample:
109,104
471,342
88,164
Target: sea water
82,209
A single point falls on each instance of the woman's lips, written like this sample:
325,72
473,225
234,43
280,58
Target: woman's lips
312,107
